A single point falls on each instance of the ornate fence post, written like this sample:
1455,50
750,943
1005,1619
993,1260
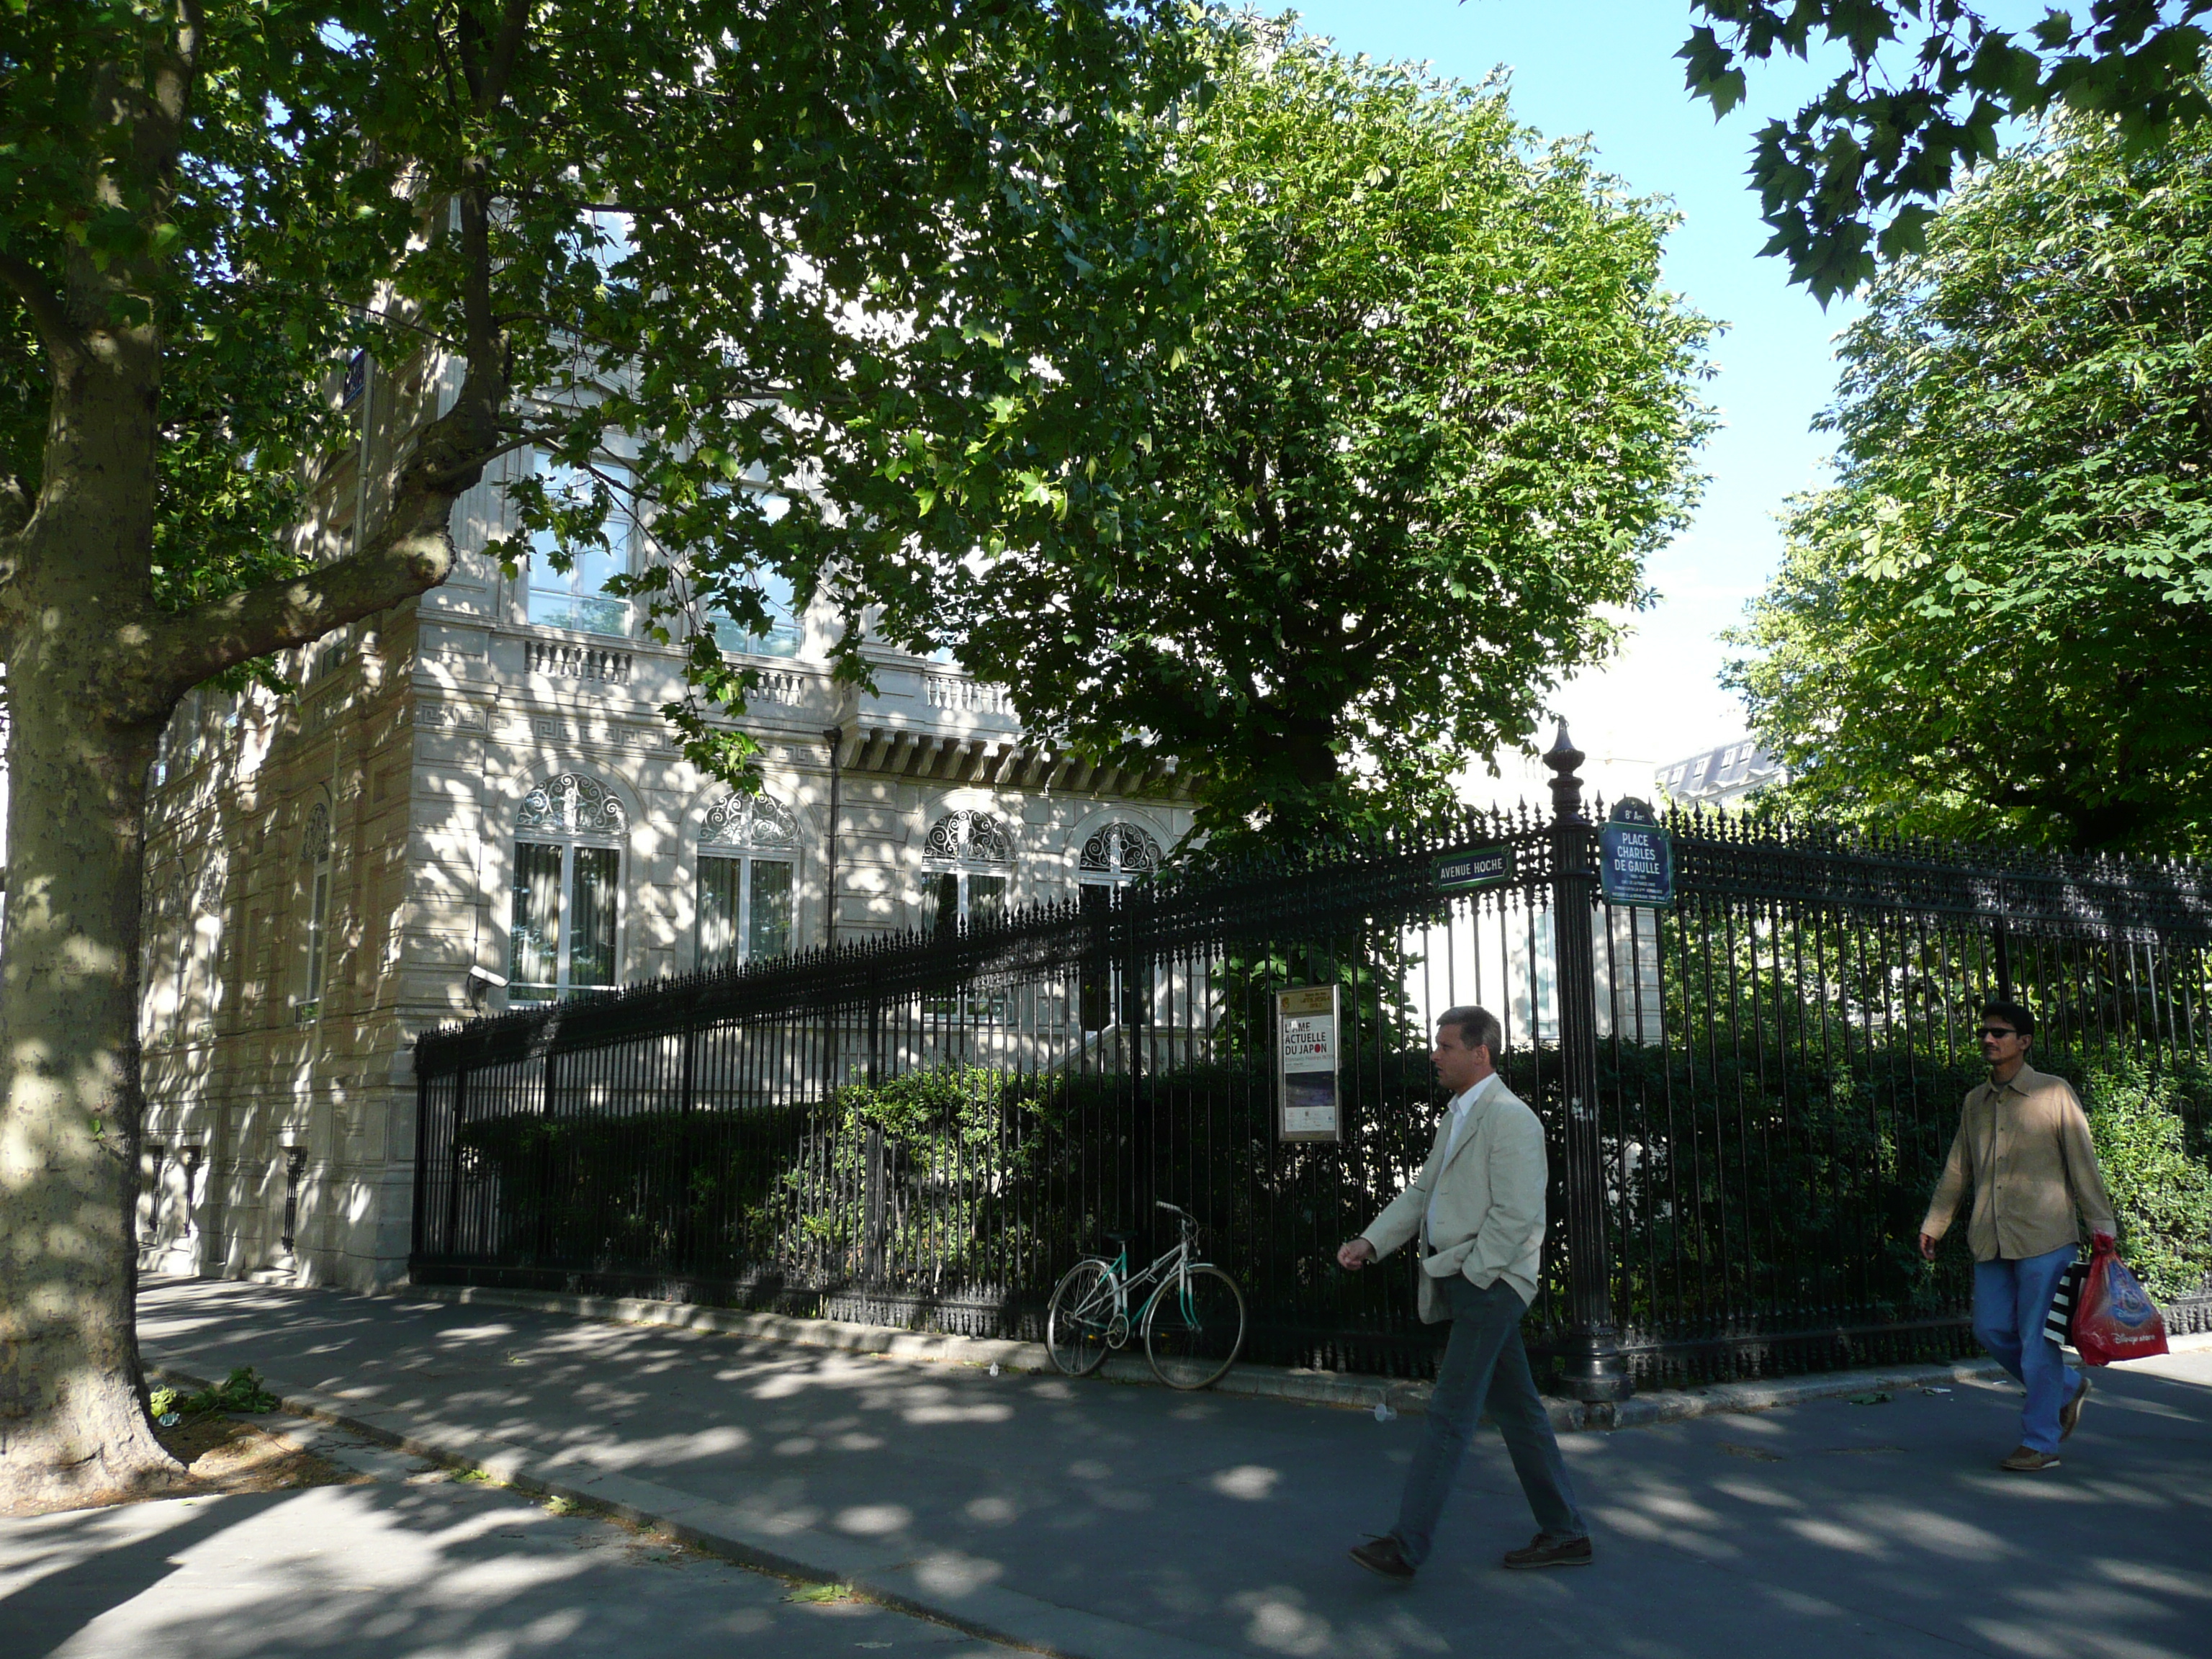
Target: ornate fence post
1592,1359
875,1200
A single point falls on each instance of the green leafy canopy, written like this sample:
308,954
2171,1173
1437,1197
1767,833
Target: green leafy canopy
1856,170
825,247
1437,409
1995,624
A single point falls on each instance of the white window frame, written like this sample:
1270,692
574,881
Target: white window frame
745,830
625,545
964,844
571,811
1111,839
1104,1003
315,863
780,642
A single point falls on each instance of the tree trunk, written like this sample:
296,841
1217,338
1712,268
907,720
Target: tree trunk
82,736
72,1415
95,669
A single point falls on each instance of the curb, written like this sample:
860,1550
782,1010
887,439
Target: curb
1311,1387
944,1585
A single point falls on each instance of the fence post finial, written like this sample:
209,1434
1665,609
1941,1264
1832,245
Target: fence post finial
1565,761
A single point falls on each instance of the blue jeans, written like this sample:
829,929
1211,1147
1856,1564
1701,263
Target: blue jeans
2011,1299
1484,1365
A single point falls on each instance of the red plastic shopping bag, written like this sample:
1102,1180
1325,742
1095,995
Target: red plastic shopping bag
2113,1319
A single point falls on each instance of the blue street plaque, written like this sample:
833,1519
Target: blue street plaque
1479,867
1635,857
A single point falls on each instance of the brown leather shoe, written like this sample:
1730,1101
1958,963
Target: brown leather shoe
2025,1459
1382,1555
1544,1552
2070,1413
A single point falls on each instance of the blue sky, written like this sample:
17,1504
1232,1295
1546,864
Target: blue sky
1606,68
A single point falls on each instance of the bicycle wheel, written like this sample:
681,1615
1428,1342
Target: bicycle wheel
1194,1331
1082,1314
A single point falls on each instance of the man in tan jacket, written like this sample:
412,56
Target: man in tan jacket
2023,1148
1477,1208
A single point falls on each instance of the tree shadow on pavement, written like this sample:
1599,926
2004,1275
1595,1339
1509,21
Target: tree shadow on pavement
377,1572
1825,1529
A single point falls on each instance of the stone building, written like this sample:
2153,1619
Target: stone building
1721,777
472,802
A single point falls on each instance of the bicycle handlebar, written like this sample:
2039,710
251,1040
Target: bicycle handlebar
1162,1204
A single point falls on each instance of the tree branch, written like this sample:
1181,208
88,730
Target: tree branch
39,299
194,645
505,47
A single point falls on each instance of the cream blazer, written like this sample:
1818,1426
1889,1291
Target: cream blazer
1488,1223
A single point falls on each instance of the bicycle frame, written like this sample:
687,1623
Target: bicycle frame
1171,1266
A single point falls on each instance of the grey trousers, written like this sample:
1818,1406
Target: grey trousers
1485,1364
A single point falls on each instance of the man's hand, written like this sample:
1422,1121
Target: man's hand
1928,1247
1354,1254
2100,1242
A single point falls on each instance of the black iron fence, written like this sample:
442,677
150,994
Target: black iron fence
1748,1094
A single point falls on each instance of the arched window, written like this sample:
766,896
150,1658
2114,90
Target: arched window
315,878
748,854
968,863
1116,854
569,836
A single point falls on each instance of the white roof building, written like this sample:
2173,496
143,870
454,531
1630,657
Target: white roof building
1714,777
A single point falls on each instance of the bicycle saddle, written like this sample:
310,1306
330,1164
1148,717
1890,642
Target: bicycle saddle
1120,1235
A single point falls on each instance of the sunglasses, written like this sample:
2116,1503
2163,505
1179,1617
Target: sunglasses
1998,1031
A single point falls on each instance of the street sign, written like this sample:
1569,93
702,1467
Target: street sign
1635,857
1478,866
1306,1052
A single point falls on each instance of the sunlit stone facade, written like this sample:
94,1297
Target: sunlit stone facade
456,787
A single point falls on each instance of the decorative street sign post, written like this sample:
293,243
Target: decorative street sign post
1590,1351
1306,1050
1635,857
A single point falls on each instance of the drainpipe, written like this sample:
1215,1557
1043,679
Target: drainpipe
835,737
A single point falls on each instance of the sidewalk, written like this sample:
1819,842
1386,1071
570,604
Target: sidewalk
1099,1521
413,1564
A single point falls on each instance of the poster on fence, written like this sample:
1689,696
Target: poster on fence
1305,1064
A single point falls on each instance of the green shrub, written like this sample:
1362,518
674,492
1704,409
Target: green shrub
2160,1186
241,1391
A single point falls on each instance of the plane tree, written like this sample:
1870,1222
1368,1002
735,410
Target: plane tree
1438,406
843,238
1994,623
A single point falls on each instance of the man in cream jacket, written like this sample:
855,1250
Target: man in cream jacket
1477,1209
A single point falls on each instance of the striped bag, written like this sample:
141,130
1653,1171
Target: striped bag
2058,1323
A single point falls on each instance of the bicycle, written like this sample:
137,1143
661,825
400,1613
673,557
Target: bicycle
1193,1321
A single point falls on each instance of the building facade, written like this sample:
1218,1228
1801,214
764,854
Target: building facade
472,802
1717,777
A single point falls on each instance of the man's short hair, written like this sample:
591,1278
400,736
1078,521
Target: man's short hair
2018,1015
1477,1028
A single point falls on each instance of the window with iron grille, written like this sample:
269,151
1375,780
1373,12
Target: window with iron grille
748,857
566,913
967,866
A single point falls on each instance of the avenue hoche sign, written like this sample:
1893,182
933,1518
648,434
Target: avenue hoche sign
1474,867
